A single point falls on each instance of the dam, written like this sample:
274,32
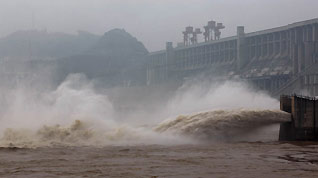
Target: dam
282,60
304,118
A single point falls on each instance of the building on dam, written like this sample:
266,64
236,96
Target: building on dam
280,60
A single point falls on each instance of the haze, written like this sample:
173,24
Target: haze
152,21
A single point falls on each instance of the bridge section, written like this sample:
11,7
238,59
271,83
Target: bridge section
272,60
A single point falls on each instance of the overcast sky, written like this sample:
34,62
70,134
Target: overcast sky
152,21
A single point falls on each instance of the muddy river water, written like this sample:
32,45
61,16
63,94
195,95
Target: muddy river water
243,159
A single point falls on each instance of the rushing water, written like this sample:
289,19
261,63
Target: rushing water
74,131
80,151
204,127
270,159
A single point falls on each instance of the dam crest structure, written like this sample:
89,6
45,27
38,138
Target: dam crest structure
282,60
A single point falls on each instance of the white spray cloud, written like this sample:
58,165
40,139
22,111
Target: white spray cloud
229,95
75,114
73,99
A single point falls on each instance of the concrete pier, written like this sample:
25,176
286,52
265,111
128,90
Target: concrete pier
304,118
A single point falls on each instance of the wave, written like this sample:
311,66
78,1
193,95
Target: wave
223,125
79,133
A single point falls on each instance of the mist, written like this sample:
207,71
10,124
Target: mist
158,88
79,113
89,87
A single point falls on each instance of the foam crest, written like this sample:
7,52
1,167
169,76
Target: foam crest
75,114
224,125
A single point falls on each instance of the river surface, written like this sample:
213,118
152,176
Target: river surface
243,159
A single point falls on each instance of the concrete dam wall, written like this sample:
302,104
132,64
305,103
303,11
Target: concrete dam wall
281,60
304,118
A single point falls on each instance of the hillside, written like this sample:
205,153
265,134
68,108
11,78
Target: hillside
34,44
115,58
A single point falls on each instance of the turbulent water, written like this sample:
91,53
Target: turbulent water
222,124
79,150
75,114
75,131
248,160
206,126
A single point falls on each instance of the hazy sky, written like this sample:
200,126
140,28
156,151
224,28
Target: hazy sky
152,21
